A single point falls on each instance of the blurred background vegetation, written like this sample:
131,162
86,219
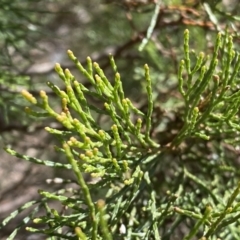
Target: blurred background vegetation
34,35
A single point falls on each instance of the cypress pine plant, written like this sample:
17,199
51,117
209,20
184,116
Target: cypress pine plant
179,182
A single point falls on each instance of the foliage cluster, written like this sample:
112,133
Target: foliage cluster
156,172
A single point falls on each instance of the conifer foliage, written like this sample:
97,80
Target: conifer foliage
142,173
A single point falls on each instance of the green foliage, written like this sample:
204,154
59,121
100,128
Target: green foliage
164,168
140,189
19,29
210,91
107,154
